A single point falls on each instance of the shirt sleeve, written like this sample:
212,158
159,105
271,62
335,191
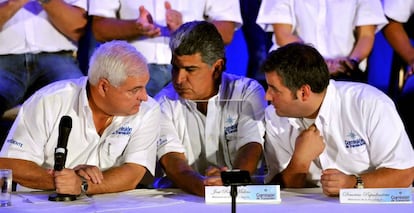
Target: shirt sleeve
142,147
79,3
219,10
104,8
275,11
251,123
370,12
169,140
29,134
389,146
398,10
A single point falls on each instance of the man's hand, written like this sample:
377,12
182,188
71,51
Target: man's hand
91,173
67,182
215,171
344,67
173,18
333,180
309,144
145,24
213,176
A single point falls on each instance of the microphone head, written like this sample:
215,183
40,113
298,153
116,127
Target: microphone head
65,126
66,122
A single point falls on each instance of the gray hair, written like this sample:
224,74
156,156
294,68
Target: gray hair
115,61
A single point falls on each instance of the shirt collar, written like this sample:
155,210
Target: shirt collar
83,97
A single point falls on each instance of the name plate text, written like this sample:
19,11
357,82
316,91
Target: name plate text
245,194
376,195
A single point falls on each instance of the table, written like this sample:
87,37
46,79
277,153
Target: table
174,200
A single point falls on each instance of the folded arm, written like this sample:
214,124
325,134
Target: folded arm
69,20
29,174
117,179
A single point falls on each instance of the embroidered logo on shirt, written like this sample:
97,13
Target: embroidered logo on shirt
354,141
125,130
11,141
230,126
161,141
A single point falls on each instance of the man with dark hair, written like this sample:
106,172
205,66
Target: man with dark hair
330,133
211,121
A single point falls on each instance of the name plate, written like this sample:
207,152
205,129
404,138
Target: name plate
376,195
245,194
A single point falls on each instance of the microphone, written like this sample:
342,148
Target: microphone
65,126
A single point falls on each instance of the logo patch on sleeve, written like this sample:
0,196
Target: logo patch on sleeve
15,143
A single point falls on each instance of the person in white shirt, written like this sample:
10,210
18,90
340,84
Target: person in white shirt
398,13
114,132
147,24
333,134
342,31
38,42
211,121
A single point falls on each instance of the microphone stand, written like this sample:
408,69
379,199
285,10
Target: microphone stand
233,194
234,178
61,197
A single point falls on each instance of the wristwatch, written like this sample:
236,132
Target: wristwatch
359,183
84,186
43,1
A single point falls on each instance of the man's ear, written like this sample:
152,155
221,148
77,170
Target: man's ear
103,86
218,68
304,92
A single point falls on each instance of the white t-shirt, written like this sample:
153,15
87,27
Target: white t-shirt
398,10
361,129
30,31
156,50
34,134
234,118
326,24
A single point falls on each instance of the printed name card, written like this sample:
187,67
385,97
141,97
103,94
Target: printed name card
245,194
382,195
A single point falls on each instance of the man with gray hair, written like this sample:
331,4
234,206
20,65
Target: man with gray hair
211,120
113,138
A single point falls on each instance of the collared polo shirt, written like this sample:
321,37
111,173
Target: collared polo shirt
359,125
234,118
128,139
